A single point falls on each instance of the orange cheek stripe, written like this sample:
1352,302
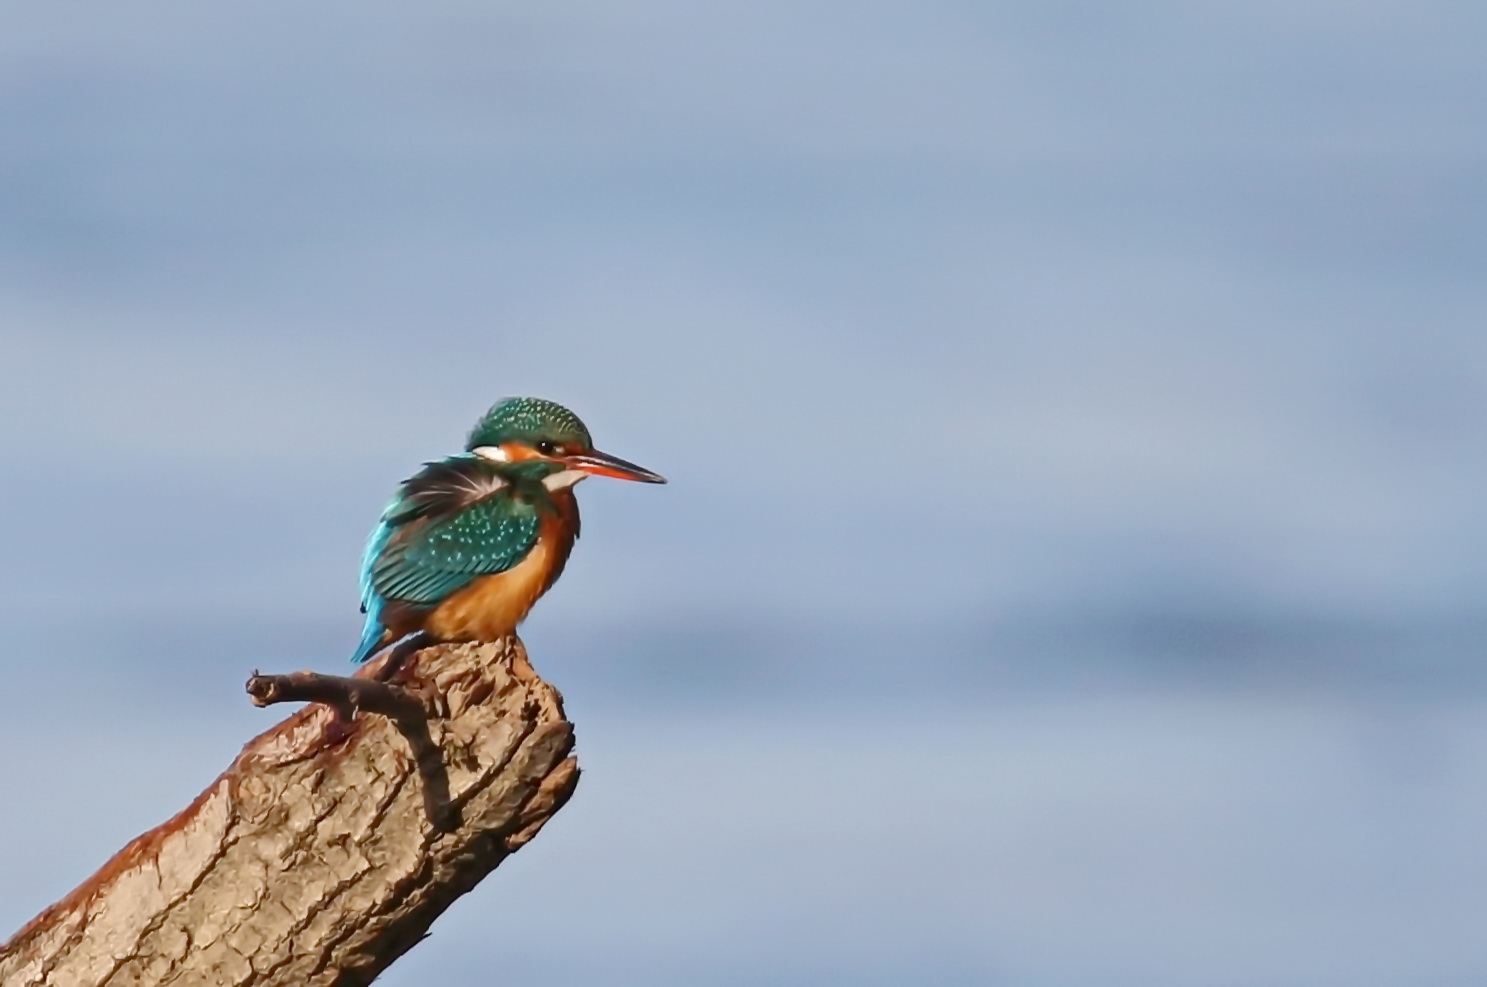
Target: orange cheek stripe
518,451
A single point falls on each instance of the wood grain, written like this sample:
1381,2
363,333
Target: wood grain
329,847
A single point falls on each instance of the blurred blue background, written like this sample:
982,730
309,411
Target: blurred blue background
1072,568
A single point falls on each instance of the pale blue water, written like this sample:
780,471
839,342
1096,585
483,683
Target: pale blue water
1139,836
1102,387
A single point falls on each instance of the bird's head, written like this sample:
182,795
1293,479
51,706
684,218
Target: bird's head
519,429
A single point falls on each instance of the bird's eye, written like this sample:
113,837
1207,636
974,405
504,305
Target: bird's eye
546,448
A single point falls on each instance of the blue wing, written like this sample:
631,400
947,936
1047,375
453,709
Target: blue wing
371,603
449,525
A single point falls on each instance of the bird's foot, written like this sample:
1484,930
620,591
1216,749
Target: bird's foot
392,662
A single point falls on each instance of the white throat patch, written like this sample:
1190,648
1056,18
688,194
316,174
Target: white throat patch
494,453
563,480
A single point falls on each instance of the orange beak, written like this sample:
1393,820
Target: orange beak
603,464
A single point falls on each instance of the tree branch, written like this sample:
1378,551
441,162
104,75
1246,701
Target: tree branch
346,694
334,840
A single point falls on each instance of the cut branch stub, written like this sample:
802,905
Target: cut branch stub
330,845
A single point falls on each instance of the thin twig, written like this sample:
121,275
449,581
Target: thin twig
338,691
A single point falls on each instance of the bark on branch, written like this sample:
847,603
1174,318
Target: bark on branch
346,694
332,843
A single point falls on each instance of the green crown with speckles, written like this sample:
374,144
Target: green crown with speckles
529,420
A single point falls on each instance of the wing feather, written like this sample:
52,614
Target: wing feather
451,523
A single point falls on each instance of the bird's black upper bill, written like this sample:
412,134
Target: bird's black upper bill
603,464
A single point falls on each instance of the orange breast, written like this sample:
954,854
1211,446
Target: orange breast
492,606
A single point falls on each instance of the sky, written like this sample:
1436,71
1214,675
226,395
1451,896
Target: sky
1071,568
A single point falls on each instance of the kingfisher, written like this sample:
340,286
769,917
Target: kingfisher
469,543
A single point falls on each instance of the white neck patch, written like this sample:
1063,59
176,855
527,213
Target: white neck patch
494,453
563,480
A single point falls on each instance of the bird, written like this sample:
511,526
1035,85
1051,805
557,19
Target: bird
470,542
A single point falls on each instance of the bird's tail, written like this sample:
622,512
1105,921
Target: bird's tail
373,636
